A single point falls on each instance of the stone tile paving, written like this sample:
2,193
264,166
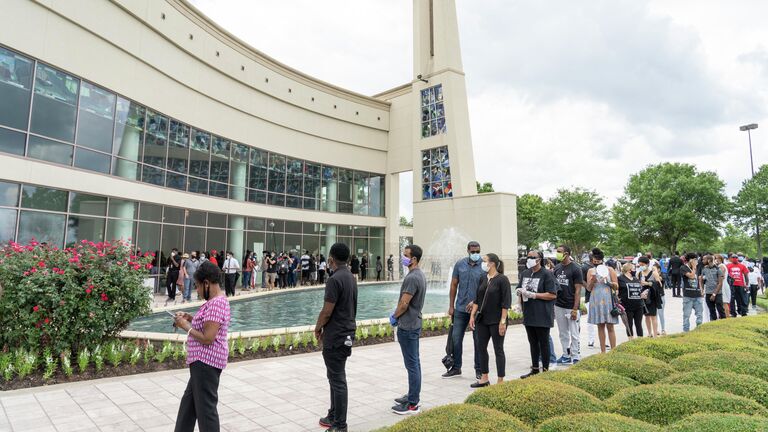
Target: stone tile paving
277,394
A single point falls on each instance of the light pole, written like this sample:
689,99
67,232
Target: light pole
748,128
274,240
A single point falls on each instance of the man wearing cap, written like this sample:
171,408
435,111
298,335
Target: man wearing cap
467,275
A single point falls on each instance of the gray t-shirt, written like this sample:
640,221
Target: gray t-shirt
415,283
190,266
711,275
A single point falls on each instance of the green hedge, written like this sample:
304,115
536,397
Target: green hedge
599,384
644,370
730,361
720,423
669,348
596,422
740,385
757,325
664,403
535,400
458,418
664,349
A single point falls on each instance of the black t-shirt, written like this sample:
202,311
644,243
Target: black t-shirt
341,290
498,297
567,276
355,265
629,292
690,286
584,270
538,313
674,265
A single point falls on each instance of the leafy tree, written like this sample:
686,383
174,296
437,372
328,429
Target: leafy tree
576,217
405,222
734,240
484,187
751,203
667,203
530,209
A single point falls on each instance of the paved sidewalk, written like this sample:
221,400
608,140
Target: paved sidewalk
278,394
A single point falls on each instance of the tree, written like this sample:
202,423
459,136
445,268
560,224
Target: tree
485,187
667,203
405,222
734,240
750,205
530,209
576,218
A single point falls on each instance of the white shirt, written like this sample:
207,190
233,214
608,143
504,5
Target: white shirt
754,278
231,265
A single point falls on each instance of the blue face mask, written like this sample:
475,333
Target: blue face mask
405,261
474,257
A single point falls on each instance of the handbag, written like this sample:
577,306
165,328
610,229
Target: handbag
479,313
615,310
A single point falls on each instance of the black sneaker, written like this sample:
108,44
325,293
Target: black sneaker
326,422
534,371
452,373
404,400
337,429
406,409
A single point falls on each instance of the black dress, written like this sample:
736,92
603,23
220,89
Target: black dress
655,291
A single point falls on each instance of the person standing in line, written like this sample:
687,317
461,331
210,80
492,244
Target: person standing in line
674,273
408,317
764,269
207,352
739,275
537,291
692,292
191,264
756,283
379,268
391,268
213,259
364,267
489,319
664,266
305,268
172,275
312,269
591,328
711,279
726,289
321,266
652,292
231,267
467,275
248,266
630,297
354,266
271,264
567,314
335,327
602,282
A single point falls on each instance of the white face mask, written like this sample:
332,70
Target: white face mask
642,268
530,263
484,266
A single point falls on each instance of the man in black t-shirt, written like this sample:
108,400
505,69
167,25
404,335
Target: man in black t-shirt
569,280
674,273
692,293
336,328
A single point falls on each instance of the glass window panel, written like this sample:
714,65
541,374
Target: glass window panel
276,225
97,114
123,209
199,186
294,202
173,236
42,227
276,200
11,141
177,160
129,127
347,241
55,102
49,150
257,196
345,230
330,173
176,181
256,224
220,147
345,208
201,140
311,204
274,241
7,225
295,166
15,89
92,160
311,243
155,139
276,162
239,152
216,239
256,242
173,215
84,228
311,170
259,158
121,229
194,239
153,175
293,243
361,247
361,231
9,194
217,220
41,198
178,134
276,181
199,155
218,190
311,228
294,185
258,178
195,217
375,196
292,227
312,188
377,232
150,212
219,169
361,193
148,237
87,204
125,169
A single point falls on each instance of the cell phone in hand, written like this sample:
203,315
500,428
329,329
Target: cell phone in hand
173,315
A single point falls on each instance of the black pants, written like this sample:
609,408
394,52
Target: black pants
363,273
716,309
229,283
378,275
283,280
170,283
538,338
321,276
753,289
484,334
335,363
739,301
675,278
200,399
635,317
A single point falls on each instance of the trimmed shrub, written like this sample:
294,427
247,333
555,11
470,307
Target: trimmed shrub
662,404
720,422
730,361
535,400
644,370
599,384
740,385
664,349
757,325
596,422
725,340
458,418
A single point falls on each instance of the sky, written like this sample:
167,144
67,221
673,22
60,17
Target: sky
561,94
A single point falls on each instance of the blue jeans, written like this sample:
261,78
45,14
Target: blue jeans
246,280
409,345
188,289
263,279
697,304
460,323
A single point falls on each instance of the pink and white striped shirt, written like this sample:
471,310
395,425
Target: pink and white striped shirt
215,354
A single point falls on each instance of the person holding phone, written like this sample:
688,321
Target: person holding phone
207,352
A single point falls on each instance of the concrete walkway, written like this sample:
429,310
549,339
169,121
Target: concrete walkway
278,394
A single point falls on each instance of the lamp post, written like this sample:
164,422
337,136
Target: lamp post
274,241
748,128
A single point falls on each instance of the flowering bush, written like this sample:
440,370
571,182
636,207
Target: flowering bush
69,299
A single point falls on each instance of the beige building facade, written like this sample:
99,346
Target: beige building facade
143,119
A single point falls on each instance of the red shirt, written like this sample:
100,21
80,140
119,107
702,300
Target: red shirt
739,273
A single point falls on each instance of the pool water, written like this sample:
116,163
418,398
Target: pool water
292,309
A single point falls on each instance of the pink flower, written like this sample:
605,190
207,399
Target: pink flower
35,308
33,270
46,321
88,290
26,273
41,264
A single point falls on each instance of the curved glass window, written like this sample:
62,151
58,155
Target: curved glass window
97,118
54,108
15,89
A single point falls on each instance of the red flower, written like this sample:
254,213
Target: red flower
26,273
35,308
46,321
33,270
87,290
41,264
